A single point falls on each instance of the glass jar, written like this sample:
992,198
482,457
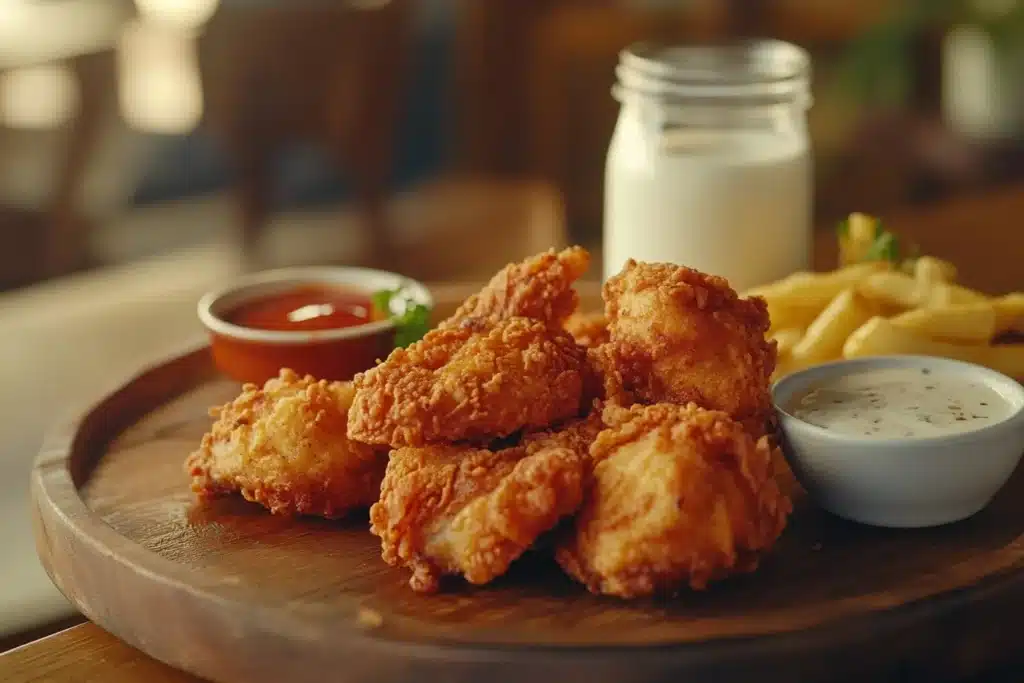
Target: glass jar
710,162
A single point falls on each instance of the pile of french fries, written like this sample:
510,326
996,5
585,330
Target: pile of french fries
883,307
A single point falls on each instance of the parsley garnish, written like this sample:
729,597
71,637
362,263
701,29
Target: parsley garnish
411,319
886,247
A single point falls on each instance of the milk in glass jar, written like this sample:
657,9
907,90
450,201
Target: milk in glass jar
710,163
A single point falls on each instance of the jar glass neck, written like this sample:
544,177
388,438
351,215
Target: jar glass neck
748,75
657,118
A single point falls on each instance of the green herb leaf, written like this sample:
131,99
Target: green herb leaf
886,247
382,301
412,325
411,320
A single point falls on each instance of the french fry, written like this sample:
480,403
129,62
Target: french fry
814,290
901,290
785,316
1007,359
931,269
1010,313
787,338
825,336
869,306
891,289
964,323
938,294
860,234
786,365
879,337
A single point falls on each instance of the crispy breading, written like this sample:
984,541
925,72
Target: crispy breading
588,329
678,335
678,496
455,510
539,287
461,384
576,435
284,446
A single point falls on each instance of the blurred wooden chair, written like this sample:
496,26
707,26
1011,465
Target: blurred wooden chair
335,76
331,75
49,239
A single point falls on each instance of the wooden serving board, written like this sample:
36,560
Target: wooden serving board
233,594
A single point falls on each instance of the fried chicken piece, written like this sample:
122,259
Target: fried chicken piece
460,384
679,496
678,335
603,382
284,447
451,510
576,435
539,287
588,329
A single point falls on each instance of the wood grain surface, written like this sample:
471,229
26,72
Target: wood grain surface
228,592
85,654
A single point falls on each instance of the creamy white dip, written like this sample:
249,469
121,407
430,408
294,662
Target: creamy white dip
907,402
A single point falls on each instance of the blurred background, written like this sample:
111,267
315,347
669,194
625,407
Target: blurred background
149,148
371,130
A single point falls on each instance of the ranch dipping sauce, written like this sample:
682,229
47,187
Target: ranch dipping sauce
901,402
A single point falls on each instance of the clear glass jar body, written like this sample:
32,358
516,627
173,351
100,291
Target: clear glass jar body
710,162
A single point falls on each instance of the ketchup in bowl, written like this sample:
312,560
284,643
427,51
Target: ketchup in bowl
319,321
305,308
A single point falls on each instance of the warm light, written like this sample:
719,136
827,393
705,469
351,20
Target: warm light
32,32
158,79
39,97
185,13
994,9
977,88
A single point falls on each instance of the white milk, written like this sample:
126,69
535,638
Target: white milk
726,202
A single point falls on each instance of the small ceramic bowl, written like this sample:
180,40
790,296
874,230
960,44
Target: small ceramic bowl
912,482
255,355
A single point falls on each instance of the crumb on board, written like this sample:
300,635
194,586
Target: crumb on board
369,618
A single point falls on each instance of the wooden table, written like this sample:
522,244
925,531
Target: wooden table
980,234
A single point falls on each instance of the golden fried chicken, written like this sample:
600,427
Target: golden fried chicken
461,384
455,510
284,446
588,329
576,435
678,335
678,496
539,287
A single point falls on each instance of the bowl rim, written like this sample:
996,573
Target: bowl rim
249,286
992,378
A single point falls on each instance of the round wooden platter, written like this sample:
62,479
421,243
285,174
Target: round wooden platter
228,592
